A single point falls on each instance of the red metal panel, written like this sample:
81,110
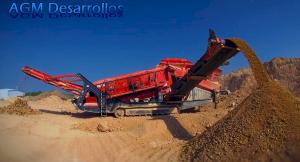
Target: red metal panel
134,83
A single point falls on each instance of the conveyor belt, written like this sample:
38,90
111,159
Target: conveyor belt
216,55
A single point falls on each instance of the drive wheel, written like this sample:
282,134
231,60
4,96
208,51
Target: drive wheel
119,113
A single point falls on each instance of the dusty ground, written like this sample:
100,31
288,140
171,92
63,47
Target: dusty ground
61,133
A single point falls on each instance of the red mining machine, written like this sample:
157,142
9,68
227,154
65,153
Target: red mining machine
175,84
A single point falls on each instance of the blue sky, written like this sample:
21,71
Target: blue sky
148,32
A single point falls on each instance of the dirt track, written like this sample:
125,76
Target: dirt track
60,134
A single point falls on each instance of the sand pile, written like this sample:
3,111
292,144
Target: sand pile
53,103
264,127
48,94
18,107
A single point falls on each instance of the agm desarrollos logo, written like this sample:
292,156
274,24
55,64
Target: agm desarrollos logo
56,10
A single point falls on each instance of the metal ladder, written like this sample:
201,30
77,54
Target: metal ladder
103,104
101,96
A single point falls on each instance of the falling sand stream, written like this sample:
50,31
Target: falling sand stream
264,127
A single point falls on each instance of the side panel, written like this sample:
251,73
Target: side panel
138,86
199,94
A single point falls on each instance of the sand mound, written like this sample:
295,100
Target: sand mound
264,127
52,102
18,107
48,94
